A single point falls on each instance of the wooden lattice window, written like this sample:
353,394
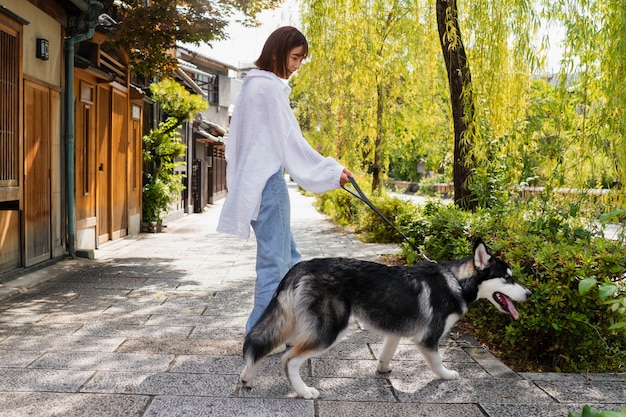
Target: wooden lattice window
9,106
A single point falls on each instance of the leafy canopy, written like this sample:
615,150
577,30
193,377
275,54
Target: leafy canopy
149,33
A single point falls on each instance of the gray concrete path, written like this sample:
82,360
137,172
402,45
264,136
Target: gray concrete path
154,327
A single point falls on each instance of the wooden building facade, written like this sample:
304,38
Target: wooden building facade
101,123
108,140
31,84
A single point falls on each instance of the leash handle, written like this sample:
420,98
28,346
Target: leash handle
361,196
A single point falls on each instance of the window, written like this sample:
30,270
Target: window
9,106
210,86
84,137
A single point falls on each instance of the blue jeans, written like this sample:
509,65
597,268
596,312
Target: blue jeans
276,249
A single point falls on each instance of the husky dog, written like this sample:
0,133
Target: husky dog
314,301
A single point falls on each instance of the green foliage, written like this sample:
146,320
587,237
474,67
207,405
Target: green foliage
347,210
575,319
163,147
340,206
592,412
156,196
563,126
391,102
149,33
175,100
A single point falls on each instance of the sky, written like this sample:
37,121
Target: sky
245,44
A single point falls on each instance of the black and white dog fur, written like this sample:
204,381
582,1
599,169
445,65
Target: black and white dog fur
313,304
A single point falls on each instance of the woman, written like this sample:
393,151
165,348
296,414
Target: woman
265,139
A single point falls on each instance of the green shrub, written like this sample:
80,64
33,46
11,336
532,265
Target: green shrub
163,147
340,206
374,228
590,412
427,185
575,318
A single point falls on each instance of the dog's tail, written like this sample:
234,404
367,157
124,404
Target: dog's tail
273,328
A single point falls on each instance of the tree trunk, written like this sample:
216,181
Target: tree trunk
459,80
377,164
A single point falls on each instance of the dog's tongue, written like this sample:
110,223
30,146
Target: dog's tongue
510,307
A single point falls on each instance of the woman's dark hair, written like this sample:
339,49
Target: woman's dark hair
277,47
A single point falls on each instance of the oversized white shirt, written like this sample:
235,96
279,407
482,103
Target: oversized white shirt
264,136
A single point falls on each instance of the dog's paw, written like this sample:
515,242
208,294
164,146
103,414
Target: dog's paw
383,368
244,384
309,393
448,374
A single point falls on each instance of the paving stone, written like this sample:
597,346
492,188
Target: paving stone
225,365
18,318
409,369
543,410
469,391
345,389
345,350
168,406
104,361
598,392
375,409
116,282
491,364
128,330
94,317
74,290
570,377
215,322
163,384
38,329
182,346
411,353
342,368
270,366
155,309
17,358
62,343
218,333
42,380
46,404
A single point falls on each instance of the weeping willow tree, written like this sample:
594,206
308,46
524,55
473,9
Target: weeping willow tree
591,79
367,90
494,41
376,86
555,130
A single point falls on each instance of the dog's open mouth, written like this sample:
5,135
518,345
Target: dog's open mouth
506,303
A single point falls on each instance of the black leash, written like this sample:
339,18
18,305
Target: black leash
359,194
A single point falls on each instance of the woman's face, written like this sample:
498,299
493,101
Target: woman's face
294,61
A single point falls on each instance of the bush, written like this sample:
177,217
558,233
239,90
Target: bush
591,412
163,147
576,317
560,328
347,210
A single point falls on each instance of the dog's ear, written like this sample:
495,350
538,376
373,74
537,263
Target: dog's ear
482,255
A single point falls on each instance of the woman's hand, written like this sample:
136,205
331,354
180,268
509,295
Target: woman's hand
344,177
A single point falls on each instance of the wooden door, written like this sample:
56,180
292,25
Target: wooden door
36,173
103,164
84,166
135,158
119,163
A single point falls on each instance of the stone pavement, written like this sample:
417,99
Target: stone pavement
154,327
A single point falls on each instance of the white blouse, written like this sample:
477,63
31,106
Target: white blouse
264,136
